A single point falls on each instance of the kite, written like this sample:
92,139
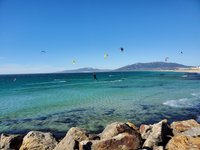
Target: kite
166,59
121,49
105,55
73,62
43,51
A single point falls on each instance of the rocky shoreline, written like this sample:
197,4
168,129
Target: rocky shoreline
179,135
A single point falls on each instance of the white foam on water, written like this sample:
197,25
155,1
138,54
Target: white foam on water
196,94
59,80
184,76
116,81
183,102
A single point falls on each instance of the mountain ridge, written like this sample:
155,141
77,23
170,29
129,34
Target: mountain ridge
85,70
133,67
152,66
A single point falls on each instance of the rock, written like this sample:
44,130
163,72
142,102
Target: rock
86,145
158,148
94,137
72,139
123,141
9,142
36,140
181,126
145,130
131,125
182,142
156,134
193,132
116,128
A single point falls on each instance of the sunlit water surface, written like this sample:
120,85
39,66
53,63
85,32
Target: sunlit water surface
56,102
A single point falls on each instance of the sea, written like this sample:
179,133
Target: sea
56,102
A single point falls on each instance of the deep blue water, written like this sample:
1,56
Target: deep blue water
56,102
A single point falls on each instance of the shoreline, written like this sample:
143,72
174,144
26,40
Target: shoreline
162,135
183,70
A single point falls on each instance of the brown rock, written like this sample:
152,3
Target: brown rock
116,128
9,142
131,125
181,142
181,126
36,140
72,139
123,141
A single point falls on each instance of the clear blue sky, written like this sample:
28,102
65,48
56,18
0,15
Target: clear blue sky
149,30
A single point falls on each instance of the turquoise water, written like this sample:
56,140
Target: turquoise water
56,102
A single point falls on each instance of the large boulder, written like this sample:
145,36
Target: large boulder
116,128
182,142
36,140
193,132
123,141
131,125
72,139
155,135
9,142
181,126
158,148
145,131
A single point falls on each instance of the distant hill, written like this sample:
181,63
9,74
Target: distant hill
152,66
85,70
133,67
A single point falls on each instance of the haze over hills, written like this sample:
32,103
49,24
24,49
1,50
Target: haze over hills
133,67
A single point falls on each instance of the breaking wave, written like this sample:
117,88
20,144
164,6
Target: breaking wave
183,102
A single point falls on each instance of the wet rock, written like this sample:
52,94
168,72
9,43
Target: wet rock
123,141
156,134
9,142
181,126
36,140
116,128
72,139
182,142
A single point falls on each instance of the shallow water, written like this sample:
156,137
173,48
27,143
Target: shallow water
56,102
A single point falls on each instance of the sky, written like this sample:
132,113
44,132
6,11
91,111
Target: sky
84,30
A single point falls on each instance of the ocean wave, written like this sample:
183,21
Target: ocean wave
116,81
59,81
45,83
196,94
183,102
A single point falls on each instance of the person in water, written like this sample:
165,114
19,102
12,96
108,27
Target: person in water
94,76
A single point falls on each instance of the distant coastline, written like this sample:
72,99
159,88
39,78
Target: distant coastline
181,70
151,66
